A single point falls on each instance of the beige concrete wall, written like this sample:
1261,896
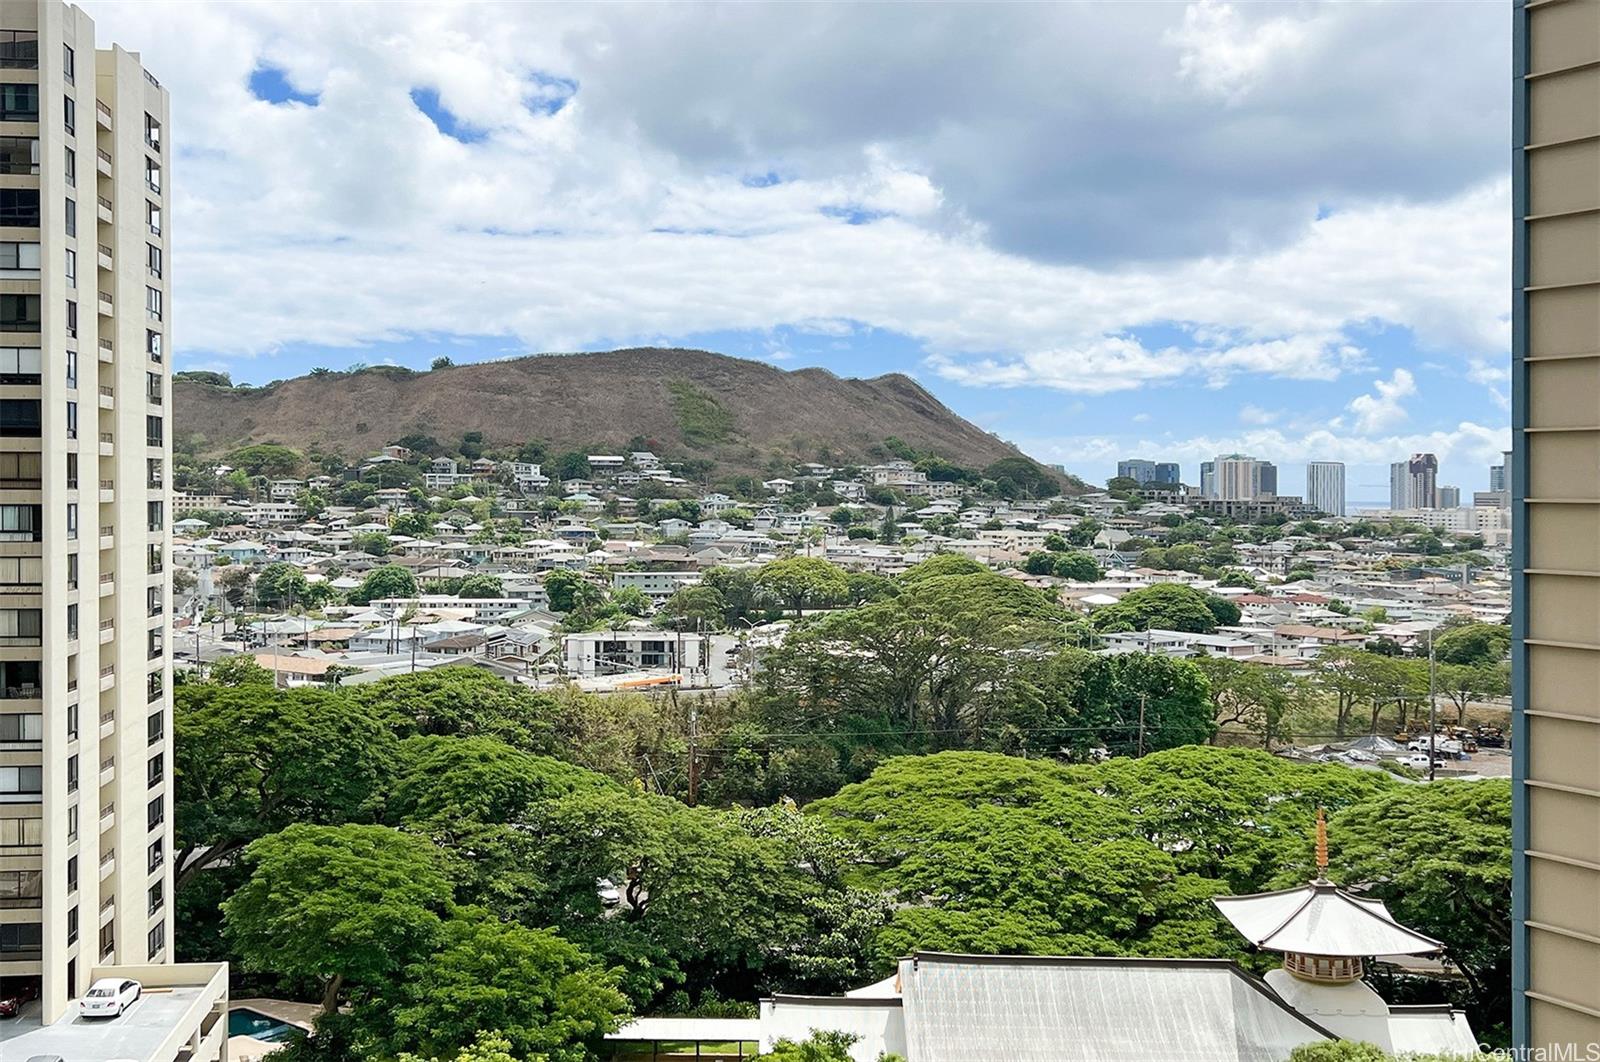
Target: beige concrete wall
1560,442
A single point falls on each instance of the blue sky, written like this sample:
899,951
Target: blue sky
1158,230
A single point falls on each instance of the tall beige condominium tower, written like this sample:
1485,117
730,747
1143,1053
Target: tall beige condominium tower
1554,477
85,731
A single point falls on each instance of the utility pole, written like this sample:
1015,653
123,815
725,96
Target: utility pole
1433,708
694,750
1142,699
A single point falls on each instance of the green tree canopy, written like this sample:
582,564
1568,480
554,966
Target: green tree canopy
1473,644
803,582
1164,606
462,700
480,585
390,580
281,583
570,592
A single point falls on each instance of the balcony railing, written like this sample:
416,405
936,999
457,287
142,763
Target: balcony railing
101,108
103,154
108,670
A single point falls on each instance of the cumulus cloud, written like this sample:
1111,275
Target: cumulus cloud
1224,55
1383,408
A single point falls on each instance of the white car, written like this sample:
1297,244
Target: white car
1419,760
109,997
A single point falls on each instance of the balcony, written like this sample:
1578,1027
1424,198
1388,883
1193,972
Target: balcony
106,259
107,536
108,490
108,677
107,349
102,114
108,817
102,161
108,863
103,205
108,583
107,444
108,396
106,305
108,631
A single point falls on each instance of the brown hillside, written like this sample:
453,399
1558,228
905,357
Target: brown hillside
739,413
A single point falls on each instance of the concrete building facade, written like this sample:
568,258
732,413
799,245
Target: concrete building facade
1554,480
1325,486
1413,483
85,727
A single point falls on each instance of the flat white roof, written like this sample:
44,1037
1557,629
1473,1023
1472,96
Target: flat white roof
137,1034
703,1029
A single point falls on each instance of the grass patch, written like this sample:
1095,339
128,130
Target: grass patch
701,419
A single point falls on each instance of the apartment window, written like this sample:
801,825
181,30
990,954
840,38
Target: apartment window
70,168
72,472
155,728
72,269
155,855
19,259
72,873
72,521
152,175
21,626
72,820
21,781
153,643
19,417
20,888
19,313
108,939
21,523
21,833
156,898
155,813
72,773
19,103
152,303
20,679
154,472
152,259
155,515
72,620
153,344
72,321
153,602
69,64
72,721
155,770
72,216
19,573
72,420
72,368
153,687
20,365
152,216
21,941
156,939
69,116
19,207
19,49
72,926
20,471
152,431
152,132
22,726
19,154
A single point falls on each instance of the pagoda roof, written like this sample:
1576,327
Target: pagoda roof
1322,919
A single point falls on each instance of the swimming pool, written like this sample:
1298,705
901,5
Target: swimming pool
242,1021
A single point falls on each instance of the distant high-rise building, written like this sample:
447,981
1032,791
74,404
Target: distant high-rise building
1165,472
1497,477
1266,478
86,733
1237,477
1449,497
1325,486
1413,483
1208,479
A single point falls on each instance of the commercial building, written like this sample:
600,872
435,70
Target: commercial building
1449,497
1149,471
1241,478
1413,483
1325,486
85,728
1208,479
1554,480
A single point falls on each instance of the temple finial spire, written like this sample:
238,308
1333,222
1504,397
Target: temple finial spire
1322,844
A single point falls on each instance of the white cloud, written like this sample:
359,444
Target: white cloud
1383,409
1224,55
1255,415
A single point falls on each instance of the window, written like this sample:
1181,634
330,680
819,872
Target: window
155,514
152,216
153,602
155,813
72,622
20,523
152,431
157,900
19,417
21,781
108,938
152,132
155,770
154,472
20,365
155,728
152,175
72,216
22,726
19,154
21,626
19,313
19,207
152,303
72,926
69,116
19,49
154,856
72,269
19,103
72,420
72,873
72,773
20,888
157,939
72,820
70,168
152,259
69,64
72,321
16,573
72,722
21,471
72,521
153,687
22,941
21,833
72,368
72,477
19,259
152,344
